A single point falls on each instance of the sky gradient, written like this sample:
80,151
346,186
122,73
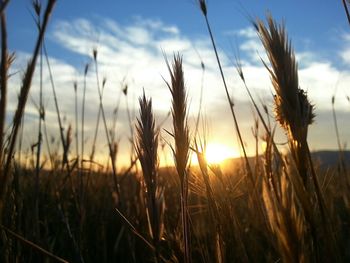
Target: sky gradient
131,37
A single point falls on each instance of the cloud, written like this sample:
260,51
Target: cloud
321,78
133,55
344,52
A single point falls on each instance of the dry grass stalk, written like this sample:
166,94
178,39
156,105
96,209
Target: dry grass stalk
59,119
22,100
212,205
295,113
34,246
3,5
345,4
182,141
86,69
203,7
6,60
102,112
146,149
286,222
293,110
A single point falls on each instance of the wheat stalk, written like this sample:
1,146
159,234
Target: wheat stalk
295,113
146,149
293,110
22,100
182,141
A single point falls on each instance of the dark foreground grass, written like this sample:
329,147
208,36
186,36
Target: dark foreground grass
268,208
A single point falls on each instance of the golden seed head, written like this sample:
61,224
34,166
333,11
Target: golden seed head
292,108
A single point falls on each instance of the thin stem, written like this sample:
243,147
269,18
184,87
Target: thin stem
34,246
229,99
3,6
39,144
3,81
346,10
23,96
76,120
83,114
114,169
336,124
200,100
59,119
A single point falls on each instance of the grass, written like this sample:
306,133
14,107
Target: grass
146,148
182,143
271,207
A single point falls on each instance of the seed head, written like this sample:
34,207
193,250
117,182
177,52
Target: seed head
292,108
203,6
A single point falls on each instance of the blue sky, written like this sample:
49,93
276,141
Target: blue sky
130,36
316,23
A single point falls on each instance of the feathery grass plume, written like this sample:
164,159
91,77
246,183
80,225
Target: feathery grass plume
179,114
146,149
292,109
182,141
295,113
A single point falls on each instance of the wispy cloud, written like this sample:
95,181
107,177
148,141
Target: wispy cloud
132,54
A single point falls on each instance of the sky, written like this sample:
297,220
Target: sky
131,38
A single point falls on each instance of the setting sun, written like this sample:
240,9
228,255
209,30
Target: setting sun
217,153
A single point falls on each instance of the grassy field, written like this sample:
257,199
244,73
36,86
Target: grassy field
272,207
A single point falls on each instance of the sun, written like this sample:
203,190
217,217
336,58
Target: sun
216,153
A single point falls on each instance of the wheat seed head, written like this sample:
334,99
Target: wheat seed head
179,113
292,108
147,142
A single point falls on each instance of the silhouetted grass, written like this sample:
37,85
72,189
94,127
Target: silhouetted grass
269,208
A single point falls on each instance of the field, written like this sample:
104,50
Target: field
63,206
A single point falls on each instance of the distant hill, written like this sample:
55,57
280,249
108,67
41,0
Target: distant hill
322,159
330,158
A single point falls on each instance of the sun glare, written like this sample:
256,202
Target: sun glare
217,153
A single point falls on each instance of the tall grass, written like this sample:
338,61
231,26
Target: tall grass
23,95
182,143
269,208
295,113
147,151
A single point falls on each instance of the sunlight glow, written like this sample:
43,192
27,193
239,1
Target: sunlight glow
217,153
